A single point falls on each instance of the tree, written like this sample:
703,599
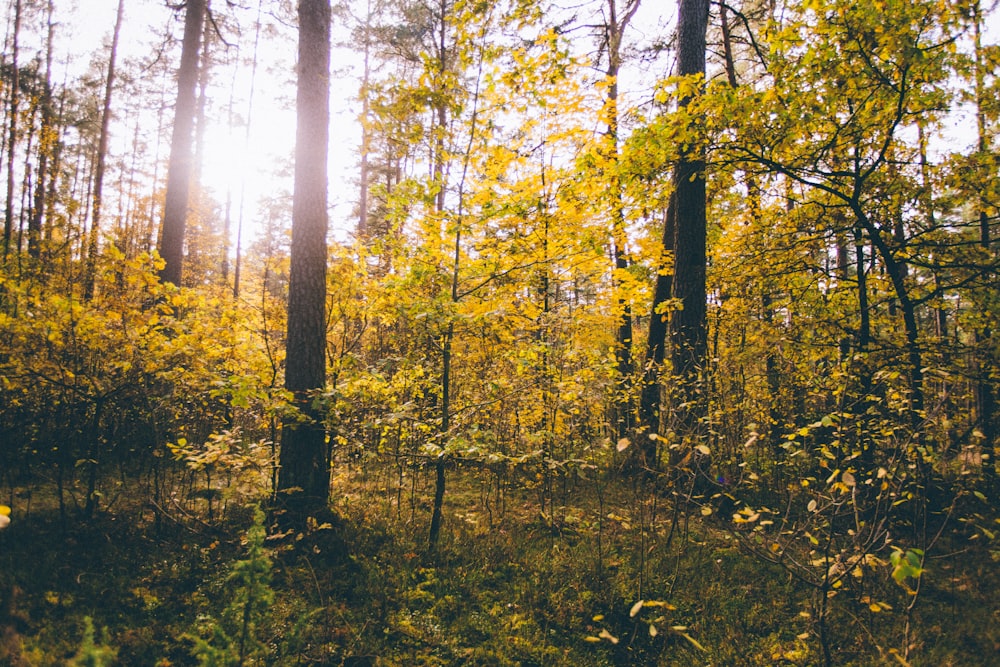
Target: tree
304,461
8,224
614,32
688,327
102,151
47,142
180,170
685,231
986,390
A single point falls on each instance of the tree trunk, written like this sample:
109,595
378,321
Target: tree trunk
237,270
8,225
656,344
179,172
688,325
625,365
985,390
46,146
441,116
304,459
364,176
102,153
897,277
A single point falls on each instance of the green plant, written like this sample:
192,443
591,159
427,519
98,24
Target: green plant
90,653
234,637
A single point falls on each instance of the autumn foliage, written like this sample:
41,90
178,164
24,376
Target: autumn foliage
516,476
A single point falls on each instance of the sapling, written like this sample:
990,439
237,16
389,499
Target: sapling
233,639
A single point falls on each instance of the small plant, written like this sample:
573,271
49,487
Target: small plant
90,653
233,639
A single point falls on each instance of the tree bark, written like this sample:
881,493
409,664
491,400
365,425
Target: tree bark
688,325
304,457
179,172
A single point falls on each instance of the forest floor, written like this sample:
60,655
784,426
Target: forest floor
536,572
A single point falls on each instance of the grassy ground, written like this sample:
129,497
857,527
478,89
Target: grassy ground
528,573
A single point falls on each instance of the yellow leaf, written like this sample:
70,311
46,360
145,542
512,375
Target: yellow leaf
4,510
623,444
636,608
693,642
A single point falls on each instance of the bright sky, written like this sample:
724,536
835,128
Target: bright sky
85,28
266,166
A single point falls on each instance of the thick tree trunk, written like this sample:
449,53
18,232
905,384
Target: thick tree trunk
179,172
688,325
304,461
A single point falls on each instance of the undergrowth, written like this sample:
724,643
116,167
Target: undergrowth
594,579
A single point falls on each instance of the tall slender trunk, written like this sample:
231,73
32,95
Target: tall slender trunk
46,145
52,191
15,84
237,271
448,338
897,276
102,152
623,401
656,344
985,389
438,172
205,226
363,177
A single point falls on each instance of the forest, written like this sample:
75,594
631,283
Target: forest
527,332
